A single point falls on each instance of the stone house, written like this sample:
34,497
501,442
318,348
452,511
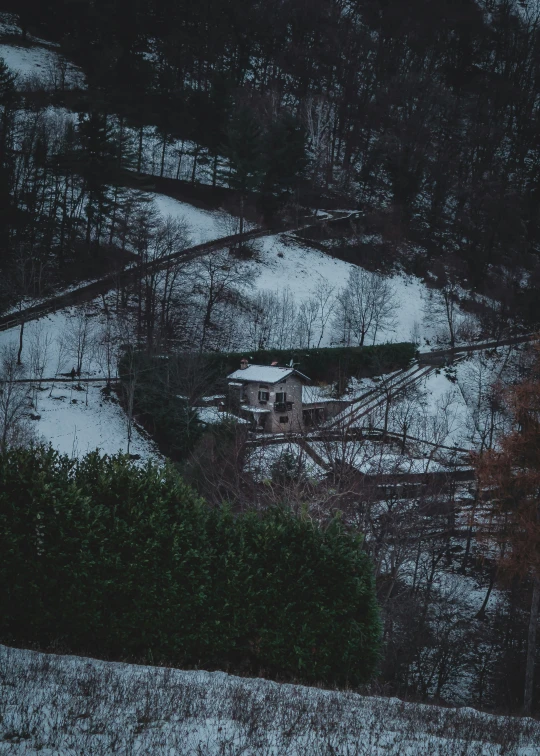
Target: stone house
277,399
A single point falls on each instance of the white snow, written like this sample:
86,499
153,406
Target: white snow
60,705
204,225
262,374
39,63
213,416
76,422
286,264
316,395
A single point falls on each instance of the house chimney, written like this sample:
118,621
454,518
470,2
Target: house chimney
244,364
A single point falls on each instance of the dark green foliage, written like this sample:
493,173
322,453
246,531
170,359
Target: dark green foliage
243,149
287,468
170,420
285,162
124,562
331,365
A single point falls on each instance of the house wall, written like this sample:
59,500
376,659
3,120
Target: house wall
292,386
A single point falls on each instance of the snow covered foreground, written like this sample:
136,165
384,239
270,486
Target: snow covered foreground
69,705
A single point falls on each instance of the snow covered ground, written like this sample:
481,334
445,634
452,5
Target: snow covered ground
203,225
42,65
70,705
181,159
75,421
80,418
285,263
36,60
285,459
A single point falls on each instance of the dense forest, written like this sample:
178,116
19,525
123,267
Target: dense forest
424,115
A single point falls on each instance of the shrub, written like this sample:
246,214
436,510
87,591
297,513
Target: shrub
107,558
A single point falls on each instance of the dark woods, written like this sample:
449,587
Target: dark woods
424,114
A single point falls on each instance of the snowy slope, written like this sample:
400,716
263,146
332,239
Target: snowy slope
69,705
204,225
76,421
40,63
286,264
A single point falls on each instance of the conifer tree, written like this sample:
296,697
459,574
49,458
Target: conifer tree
98,165
243,149
285,162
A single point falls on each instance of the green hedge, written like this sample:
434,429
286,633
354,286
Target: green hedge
105,558
331,365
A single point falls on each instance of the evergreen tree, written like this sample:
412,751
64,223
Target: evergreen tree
243,150
98,164
285,162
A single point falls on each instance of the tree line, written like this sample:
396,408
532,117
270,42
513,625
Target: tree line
425,115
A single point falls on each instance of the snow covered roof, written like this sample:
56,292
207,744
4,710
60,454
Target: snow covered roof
265,374
255,410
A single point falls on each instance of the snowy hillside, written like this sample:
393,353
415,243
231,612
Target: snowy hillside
69,705
36,61
42,65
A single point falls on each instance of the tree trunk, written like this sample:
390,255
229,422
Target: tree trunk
482,611
21,332
241,220
139,156
194,169
163,152
531,646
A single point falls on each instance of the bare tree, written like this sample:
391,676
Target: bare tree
14,401
365,307
39,348
60,357
78,337
220,281
130,373
320,118
442,308
314,315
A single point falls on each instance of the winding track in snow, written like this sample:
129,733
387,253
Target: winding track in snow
103,285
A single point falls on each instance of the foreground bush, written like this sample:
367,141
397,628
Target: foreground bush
103,557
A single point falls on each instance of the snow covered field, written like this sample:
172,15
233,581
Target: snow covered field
70,705
76,421
287,264
36,59
42,65
203,225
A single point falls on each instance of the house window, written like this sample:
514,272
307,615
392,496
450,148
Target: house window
284,419
281,397
264,396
